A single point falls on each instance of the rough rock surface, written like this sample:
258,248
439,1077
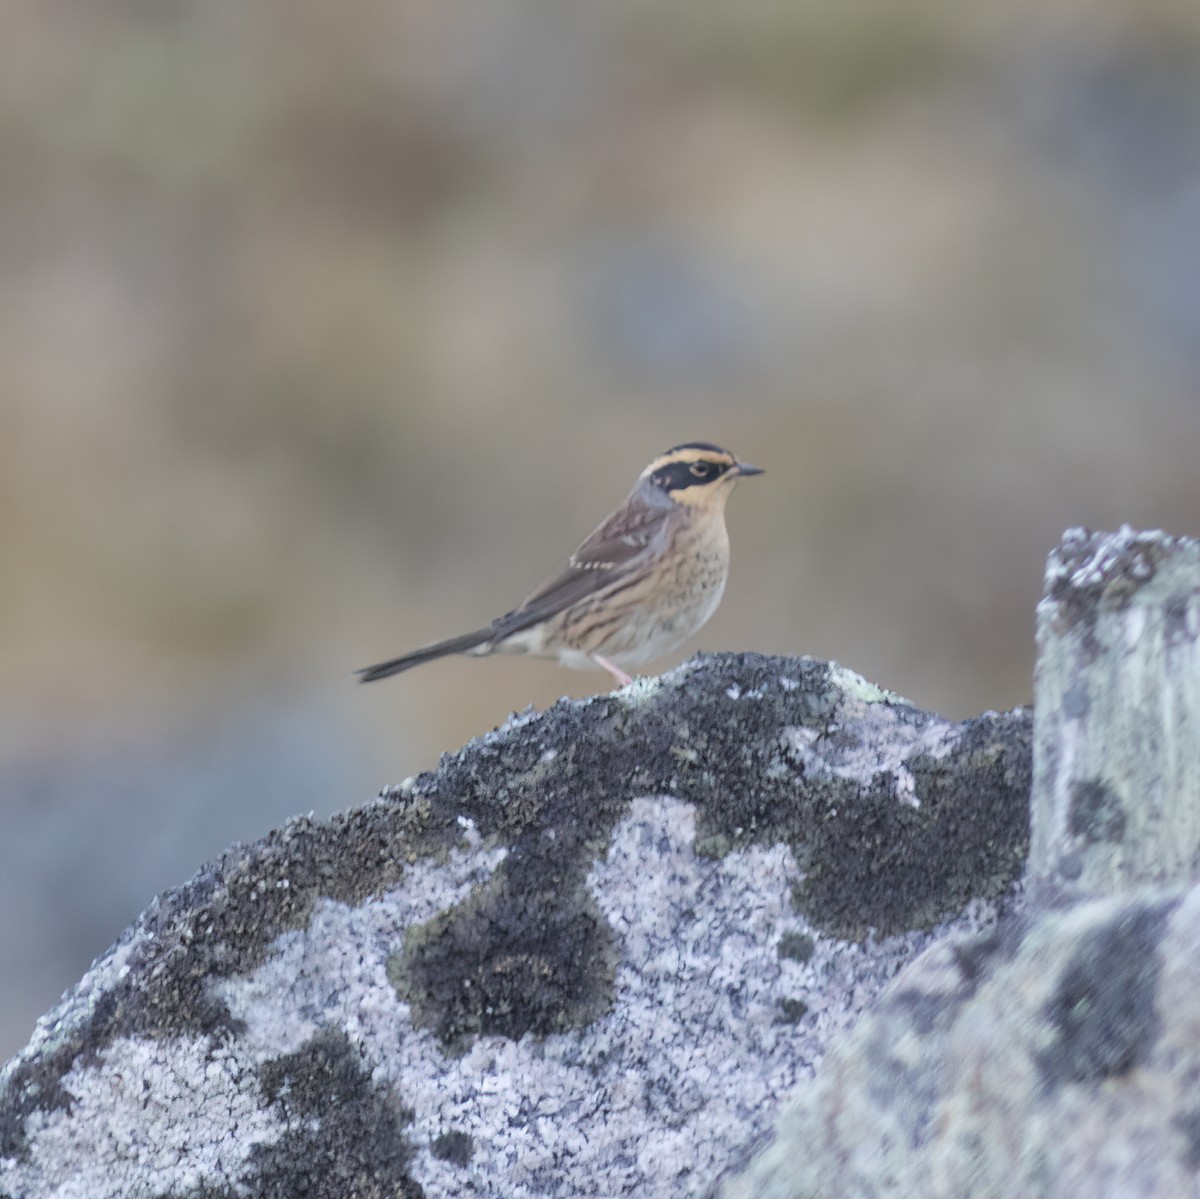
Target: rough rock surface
1057,1059
1118,704
1056,1055
590,953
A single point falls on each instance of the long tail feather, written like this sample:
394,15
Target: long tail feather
455,645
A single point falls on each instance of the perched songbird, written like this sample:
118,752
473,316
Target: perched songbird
639,586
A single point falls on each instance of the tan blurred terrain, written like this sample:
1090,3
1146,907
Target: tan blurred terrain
329,330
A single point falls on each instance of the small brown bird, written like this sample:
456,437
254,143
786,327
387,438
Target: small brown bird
640,585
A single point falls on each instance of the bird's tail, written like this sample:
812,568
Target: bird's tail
455,645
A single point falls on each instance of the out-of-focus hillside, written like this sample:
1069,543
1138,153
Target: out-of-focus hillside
328,330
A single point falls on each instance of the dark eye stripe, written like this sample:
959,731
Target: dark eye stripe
677,475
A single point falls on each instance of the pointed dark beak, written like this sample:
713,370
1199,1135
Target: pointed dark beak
744,468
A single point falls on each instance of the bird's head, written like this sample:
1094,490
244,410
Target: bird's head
697,474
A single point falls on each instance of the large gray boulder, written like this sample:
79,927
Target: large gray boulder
592,953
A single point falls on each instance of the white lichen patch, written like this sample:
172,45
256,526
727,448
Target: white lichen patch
150,1117
856,687
884,741
644,687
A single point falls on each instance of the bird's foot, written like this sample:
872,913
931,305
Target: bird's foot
623,679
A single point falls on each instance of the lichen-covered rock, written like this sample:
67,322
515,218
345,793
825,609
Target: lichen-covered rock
1059,1060
589,954
1058,1055
1118,704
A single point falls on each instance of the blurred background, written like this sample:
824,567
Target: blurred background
329,330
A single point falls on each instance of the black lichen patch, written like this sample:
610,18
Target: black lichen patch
857,869
974,836
454,1147
1102,1011
1096,813
506,962
792,1011
798,947
346,1135
871,862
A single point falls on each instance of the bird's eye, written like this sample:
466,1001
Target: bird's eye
699,469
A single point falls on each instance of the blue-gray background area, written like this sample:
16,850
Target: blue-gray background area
328,330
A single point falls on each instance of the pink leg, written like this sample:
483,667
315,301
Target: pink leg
617,673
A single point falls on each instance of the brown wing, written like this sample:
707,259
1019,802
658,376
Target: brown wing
628,532
638,527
